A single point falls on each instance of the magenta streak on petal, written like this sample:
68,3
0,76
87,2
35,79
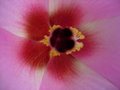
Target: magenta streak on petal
35,54
36,22
67,16
62,67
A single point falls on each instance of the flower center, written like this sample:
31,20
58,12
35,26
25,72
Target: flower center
63,40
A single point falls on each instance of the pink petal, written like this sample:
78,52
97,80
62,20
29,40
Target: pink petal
91,10
99,9
86,79
14,75
105,57
12,13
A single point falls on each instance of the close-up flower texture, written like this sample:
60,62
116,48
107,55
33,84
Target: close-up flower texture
59,44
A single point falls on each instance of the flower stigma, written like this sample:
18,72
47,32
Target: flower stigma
63,40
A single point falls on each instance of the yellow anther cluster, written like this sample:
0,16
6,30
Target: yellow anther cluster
54,52
54,27
45,40
77,47
77,35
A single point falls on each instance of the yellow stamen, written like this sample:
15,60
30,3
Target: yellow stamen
54,27
77,34
77,47
53,52
45,40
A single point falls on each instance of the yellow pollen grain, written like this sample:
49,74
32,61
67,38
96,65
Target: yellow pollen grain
74,30
54,53
82,37
54,27
79,46
77,33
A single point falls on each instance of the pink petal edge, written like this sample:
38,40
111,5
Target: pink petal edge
92,10
13,11
86,80
105,59
14,75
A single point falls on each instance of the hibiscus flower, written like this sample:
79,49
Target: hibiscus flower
59,45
